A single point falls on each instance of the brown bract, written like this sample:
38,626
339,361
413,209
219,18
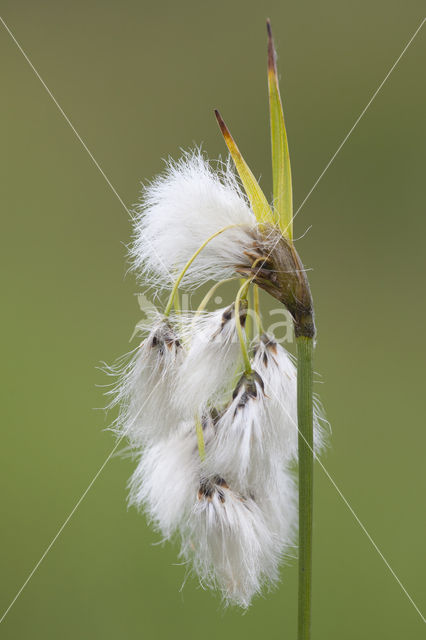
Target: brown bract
276,267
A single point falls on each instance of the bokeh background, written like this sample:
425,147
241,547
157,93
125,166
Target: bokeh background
139,81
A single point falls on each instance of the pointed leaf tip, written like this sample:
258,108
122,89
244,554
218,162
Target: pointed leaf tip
258,201
271,49
224,129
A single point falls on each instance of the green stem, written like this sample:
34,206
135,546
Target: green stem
204,302
305,347
200,439
249,320
188,264
257,316
177,303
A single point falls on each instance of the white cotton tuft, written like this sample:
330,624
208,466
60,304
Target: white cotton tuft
278,500
145,387
181,209
279,374
211,361
257,433
166,480
244,450
229,543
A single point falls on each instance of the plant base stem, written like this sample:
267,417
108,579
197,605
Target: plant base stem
305,347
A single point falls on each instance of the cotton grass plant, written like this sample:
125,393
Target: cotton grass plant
216,410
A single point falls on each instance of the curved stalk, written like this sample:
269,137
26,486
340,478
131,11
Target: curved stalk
256,307
188,264
200,439
176,303
204,302
305,347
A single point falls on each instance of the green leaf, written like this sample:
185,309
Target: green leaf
258,201
281,170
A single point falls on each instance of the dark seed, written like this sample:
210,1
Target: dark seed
221,495
221,482
208,486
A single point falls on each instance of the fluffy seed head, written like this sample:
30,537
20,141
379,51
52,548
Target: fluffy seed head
179,211
145,387
211,360
241,447
166,480
279,374
229,544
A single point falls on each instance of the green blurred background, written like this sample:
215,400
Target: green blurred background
139,80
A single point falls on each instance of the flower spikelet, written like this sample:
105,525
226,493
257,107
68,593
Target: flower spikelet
179,211
145,385
211,359
229,543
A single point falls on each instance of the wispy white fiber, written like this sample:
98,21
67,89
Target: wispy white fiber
278,501
243,450
257,433
145,386
179,210
277,369
211,360
229,543
279,375
228,495
166,480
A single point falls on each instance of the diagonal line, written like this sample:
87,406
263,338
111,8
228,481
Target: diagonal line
345,139
339,148
333,157
78,136
363,528
68,121
361,115
77,504
276,397
371,539
350,508
68,518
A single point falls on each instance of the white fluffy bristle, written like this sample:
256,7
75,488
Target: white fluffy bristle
181,209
